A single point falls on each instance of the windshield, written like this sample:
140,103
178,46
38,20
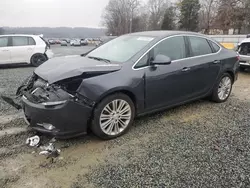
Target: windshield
121,49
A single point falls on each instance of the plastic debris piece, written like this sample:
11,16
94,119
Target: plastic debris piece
53,140
33,141
50,147
50,151
44,153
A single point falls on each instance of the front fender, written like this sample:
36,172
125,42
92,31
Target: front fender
97,88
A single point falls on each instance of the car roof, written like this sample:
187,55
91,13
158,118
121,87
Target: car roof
162,34
19,35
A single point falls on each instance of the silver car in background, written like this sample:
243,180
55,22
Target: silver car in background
244,53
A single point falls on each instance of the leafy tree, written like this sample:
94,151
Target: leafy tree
189,14
169,19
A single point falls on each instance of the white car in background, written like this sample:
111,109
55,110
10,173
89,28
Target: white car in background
30,49
75,42
244,53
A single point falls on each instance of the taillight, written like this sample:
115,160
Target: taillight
238,57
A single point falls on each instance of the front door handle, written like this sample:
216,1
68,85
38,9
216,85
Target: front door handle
216,61
185,69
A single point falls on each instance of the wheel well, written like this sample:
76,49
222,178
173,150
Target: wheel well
126,92
231,74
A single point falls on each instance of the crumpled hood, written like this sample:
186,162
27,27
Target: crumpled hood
61,68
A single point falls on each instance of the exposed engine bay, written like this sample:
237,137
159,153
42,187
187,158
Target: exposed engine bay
37,90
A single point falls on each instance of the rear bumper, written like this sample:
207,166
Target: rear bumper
244,61
245,64
68,120
49,54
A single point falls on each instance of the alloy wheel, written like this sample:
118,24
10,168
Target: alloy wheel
115,117
224,89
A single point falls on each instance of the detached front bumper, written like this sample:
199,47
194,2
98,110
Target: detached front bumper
64,120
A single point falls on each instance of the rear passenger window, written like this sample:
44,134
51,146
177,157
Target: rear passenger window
31,41
172,47
215,46
199,46
20,41
3,41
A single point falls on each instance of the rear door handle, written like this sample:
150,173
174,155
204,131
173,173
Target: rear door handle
5,50
216,61
185,69
29,48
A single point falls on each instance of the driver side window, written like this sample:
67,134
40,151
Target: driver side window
173,47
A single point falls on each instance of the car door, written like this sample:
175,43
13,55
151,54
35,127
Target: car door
201,69
164,84
22,49
5,56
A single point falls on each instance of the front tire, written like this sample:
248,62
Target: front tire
223,88
113,116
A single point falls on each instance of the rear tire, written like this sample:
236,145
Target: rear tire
38,59
222,89
113,116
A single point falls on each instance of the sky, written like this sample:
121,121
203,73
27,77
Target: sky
51,13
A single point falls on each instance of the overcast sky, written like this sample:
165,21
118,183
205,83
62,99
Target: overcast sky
51,13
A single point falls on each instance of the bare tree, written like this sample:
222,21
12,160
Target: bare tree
119,15
132,5
208,14
157,10
230,14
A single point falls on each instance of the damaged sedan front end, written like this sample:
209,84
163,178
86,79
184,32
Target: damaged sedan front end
50,109
54,106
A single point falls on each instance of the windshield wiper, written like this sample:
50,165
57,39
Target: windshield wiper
99,59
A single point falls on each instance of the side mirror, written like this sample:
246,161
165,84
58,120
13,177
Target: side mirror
161,60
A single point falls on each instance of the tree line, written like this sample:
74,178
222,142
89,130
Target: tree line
125,16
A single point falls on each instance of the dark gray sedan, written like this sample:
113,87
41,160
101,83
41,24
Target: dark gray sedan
132,75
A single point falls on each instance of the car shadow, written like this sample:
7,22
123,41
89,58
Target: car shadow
15,65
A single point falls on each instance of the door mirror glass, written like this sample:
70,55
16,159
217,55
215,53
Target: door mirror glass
161,60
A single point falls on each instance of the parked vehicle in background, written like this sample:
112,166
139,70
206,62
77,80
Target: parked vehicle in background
77,43
51,41
104,40
132,75
84,42
64,43
67,40
31,49
72,42
57,41
244,53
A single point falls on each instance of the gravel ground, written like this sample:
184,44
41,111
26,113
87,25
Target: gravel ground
201,144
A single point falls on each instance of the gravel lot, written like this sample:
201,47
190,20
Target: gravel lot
201,144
